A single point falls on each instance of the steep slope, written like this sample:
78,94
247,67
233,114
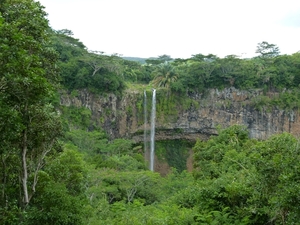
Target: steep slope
197,116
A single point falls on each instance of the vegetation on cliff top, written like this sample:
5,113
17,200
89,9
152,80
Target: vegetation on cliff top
100,73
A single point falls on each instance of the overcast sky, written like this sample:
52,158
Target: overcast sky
179,28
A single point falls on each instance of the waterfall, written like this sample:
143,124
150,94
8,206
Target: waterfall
146,151
152,132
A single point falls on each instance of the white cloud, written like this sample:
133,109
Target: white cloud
179,28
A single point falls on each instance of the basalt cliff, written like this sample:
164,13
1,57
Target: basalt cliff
197,117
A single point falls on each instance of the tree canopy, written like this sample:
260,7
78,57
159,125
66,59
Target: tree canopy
30,125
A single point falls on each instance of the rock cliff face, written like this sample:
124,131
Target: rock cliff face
123,116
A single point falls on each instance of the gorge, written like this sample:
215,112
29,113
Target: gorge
191,117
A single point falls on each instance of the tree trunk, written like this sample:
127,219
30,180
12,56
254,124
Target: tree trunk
24,169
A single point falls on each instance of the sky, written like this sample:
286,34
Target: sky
179,28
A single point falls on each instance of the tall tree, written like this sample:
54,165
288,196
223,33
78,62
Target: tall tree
267,71
164,74
267,50
30,125
97,61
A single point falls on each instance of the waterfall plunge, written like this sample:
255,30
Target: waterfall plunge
146,152
152,132
149,155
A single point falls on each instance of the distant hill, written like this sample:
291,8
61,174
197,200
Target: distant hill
136,59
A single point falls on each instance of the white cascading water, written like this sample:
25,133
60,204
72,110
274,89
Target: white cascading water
146,151
152,132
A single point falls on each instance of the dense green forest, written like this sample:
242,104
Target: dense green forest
58,167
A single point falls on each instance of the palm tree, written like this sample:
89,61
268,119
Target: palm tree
165,74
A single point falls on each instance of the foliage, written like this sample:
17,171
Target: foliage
68,168
76,117
100,73
28,80
56,206
267,50
136,214
254,181
164,75
83,69
287,99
